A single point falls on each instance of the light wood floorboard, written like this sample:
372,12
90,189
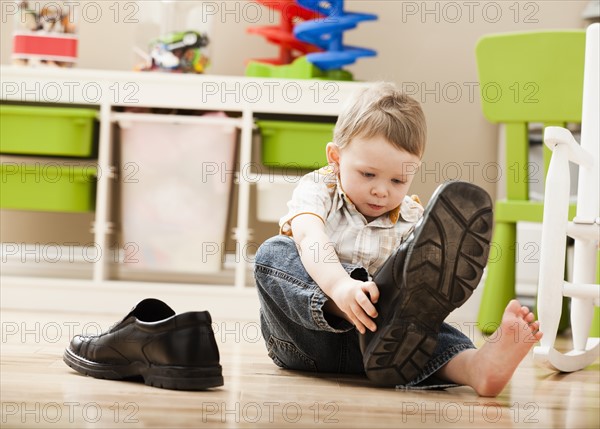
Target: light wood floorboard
39,390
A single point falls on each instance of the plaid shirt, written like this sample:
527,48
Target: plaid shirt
356,241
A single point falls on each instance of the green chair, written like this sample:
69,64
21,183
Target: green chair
525,77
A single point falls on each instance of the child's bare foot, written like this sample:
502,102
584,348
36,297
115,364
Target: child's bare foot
498,359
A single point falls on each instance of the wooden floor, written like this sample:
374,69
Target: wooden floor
39,390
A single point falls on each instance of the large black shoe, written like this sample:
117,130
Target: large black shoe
166,350
433,272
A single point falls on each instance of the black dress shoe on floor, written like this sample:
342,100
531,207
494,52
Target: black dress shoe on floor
166,350
433,272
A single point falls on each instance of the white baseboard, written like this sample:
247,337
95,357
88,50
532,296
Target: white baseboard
60,279
118,297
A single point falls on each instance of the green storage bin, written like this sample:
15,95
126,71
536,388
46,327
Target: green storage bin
291,144
36,130
47,187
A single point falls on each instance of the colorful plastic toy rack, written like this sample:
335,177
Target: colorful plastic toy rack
282,34
315,29
327,34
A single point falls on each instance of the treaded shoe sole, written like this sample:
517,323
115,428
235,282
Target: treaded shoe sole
167,377
442,267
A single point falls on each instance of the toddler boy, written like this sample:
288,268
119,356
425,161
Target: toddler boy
356,253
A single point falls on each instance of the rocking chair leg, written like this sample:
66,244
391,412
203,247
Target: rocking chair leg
582,310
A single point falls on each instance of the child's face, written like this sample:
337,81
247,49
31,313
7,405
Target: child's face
373,173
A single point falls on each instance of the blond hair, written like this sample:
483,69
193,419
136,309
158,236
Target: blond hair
383,110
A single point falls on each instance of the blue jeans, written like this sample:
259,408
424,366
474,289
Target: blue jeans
300,336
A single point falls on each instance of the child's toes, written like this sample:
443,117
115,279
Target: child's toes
529,317
513,306
534,326
525,311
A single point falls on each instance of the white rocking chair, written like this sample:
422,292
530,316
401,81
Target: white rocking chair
584,229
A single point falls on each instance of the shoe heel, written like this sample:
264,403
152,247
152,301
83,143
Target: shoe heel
183,378
399,354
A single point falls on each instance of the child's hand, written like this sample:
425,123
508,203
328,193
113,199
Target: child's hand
351,297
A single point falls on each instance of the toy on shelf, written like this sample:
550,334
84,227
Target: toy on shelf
44,36
326,33
282,34
315,29
181,52
300,68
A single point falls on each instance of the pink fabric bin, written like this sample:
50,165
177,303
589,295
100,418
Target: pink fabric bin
176,181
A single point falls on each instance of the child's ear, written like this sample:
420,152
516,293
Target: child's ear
333,154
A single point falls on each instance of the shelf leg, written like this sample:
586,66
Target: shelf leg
242,231
101,223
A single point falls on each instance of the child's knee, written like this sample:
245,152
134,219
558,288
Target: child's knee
274,249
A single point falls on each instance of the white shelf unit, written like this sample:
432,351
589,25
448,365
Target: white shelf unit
107,90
